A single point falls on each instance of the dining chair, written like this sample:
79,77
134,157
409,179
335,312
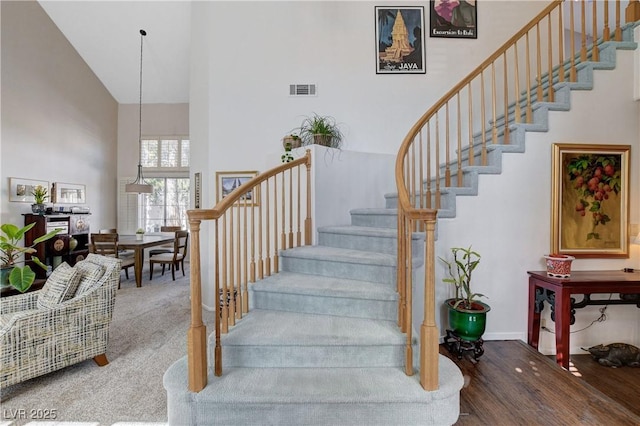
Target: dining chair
107,245
175,258
122,253
168,248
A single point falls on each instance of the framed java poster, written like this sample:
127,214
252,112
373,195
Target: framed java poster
590,200
400,40
453,19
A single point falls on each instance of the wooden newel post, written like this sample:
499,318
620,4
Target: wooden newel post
197,335
429,334
307,221
632,12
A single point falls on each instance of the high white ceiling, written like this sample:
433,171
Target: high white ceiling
106,34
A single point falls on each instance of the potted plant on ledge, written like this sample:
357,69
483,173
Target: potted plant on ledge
467,315
18,277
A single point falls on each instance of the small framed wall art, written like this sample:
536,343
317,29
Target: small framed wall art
69,193
400,40
198,189
453,19
590,200
21,190
228,181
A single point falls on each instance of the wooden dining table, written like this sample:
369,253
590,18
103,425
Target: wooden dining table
130,242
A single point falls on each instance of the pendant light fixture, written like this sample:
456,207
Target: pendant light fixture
138,185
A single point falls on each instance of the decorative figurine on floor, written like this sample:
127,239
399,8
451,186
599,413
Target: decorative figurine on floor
616,355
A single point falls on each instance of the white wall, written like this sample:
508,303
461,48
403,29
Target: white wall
245,55
509,223
58,120
241,69
157,120
342,180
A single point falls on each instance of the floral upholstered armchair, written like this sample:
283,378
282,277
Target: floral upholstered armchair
65,322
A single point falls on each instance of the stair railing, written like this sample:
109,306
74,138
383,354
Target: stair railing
458,130
270,212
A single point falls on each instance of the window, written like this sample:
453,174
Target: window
165,161
167,205
165,153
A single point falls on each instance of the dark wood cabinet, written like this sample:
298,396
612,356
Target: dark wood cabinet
70,245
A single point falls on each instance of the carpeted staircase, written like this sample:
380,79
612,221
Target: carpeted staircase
518,131
320,344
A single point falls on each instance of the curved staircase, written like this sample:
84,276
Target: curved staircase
321,344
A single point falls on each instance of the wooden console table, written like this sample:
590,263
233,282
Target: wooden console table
557,292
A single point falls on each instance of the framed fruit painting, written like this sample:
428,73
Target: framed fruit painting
590,200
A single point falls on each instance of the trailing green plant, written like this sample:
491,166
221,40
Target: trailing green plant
20,278
287,157
460,269
321,130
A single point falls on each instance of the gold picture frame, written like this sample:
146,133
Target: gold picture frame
590,200
228,181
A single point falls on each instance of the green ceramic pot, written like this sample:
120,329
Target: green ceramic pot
468,324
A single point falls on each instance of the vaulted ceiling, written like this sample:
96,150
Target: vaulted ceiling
106,35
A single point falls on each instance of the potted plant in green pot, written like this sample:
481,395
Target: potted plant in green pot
18,277
321,130
467,315
40,195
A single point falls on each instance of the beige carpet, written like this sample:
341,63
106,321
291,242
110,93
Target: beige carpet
148,334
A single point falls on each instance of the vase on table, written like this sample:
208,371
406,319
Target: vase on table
38,208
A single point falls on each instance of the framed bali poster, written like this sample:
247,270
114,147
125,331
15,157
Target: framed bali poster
399,40
453,19
590,200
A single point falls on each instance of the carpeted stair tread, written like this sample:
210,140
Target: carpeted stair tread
280,328
374,210
317,385
317,285
342,255
364,231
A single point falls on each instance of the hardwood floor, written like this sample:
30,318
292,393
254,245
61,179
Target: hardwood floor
513,384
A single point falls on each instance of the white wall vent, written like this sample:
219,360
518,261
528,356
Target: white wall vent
302,90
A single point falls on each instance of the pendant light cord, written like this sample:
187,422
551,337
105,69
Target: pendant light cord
142,34
138,185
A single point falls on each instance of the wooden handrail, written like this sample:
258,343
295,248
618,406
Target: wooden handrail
238,193
234,259
486,120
